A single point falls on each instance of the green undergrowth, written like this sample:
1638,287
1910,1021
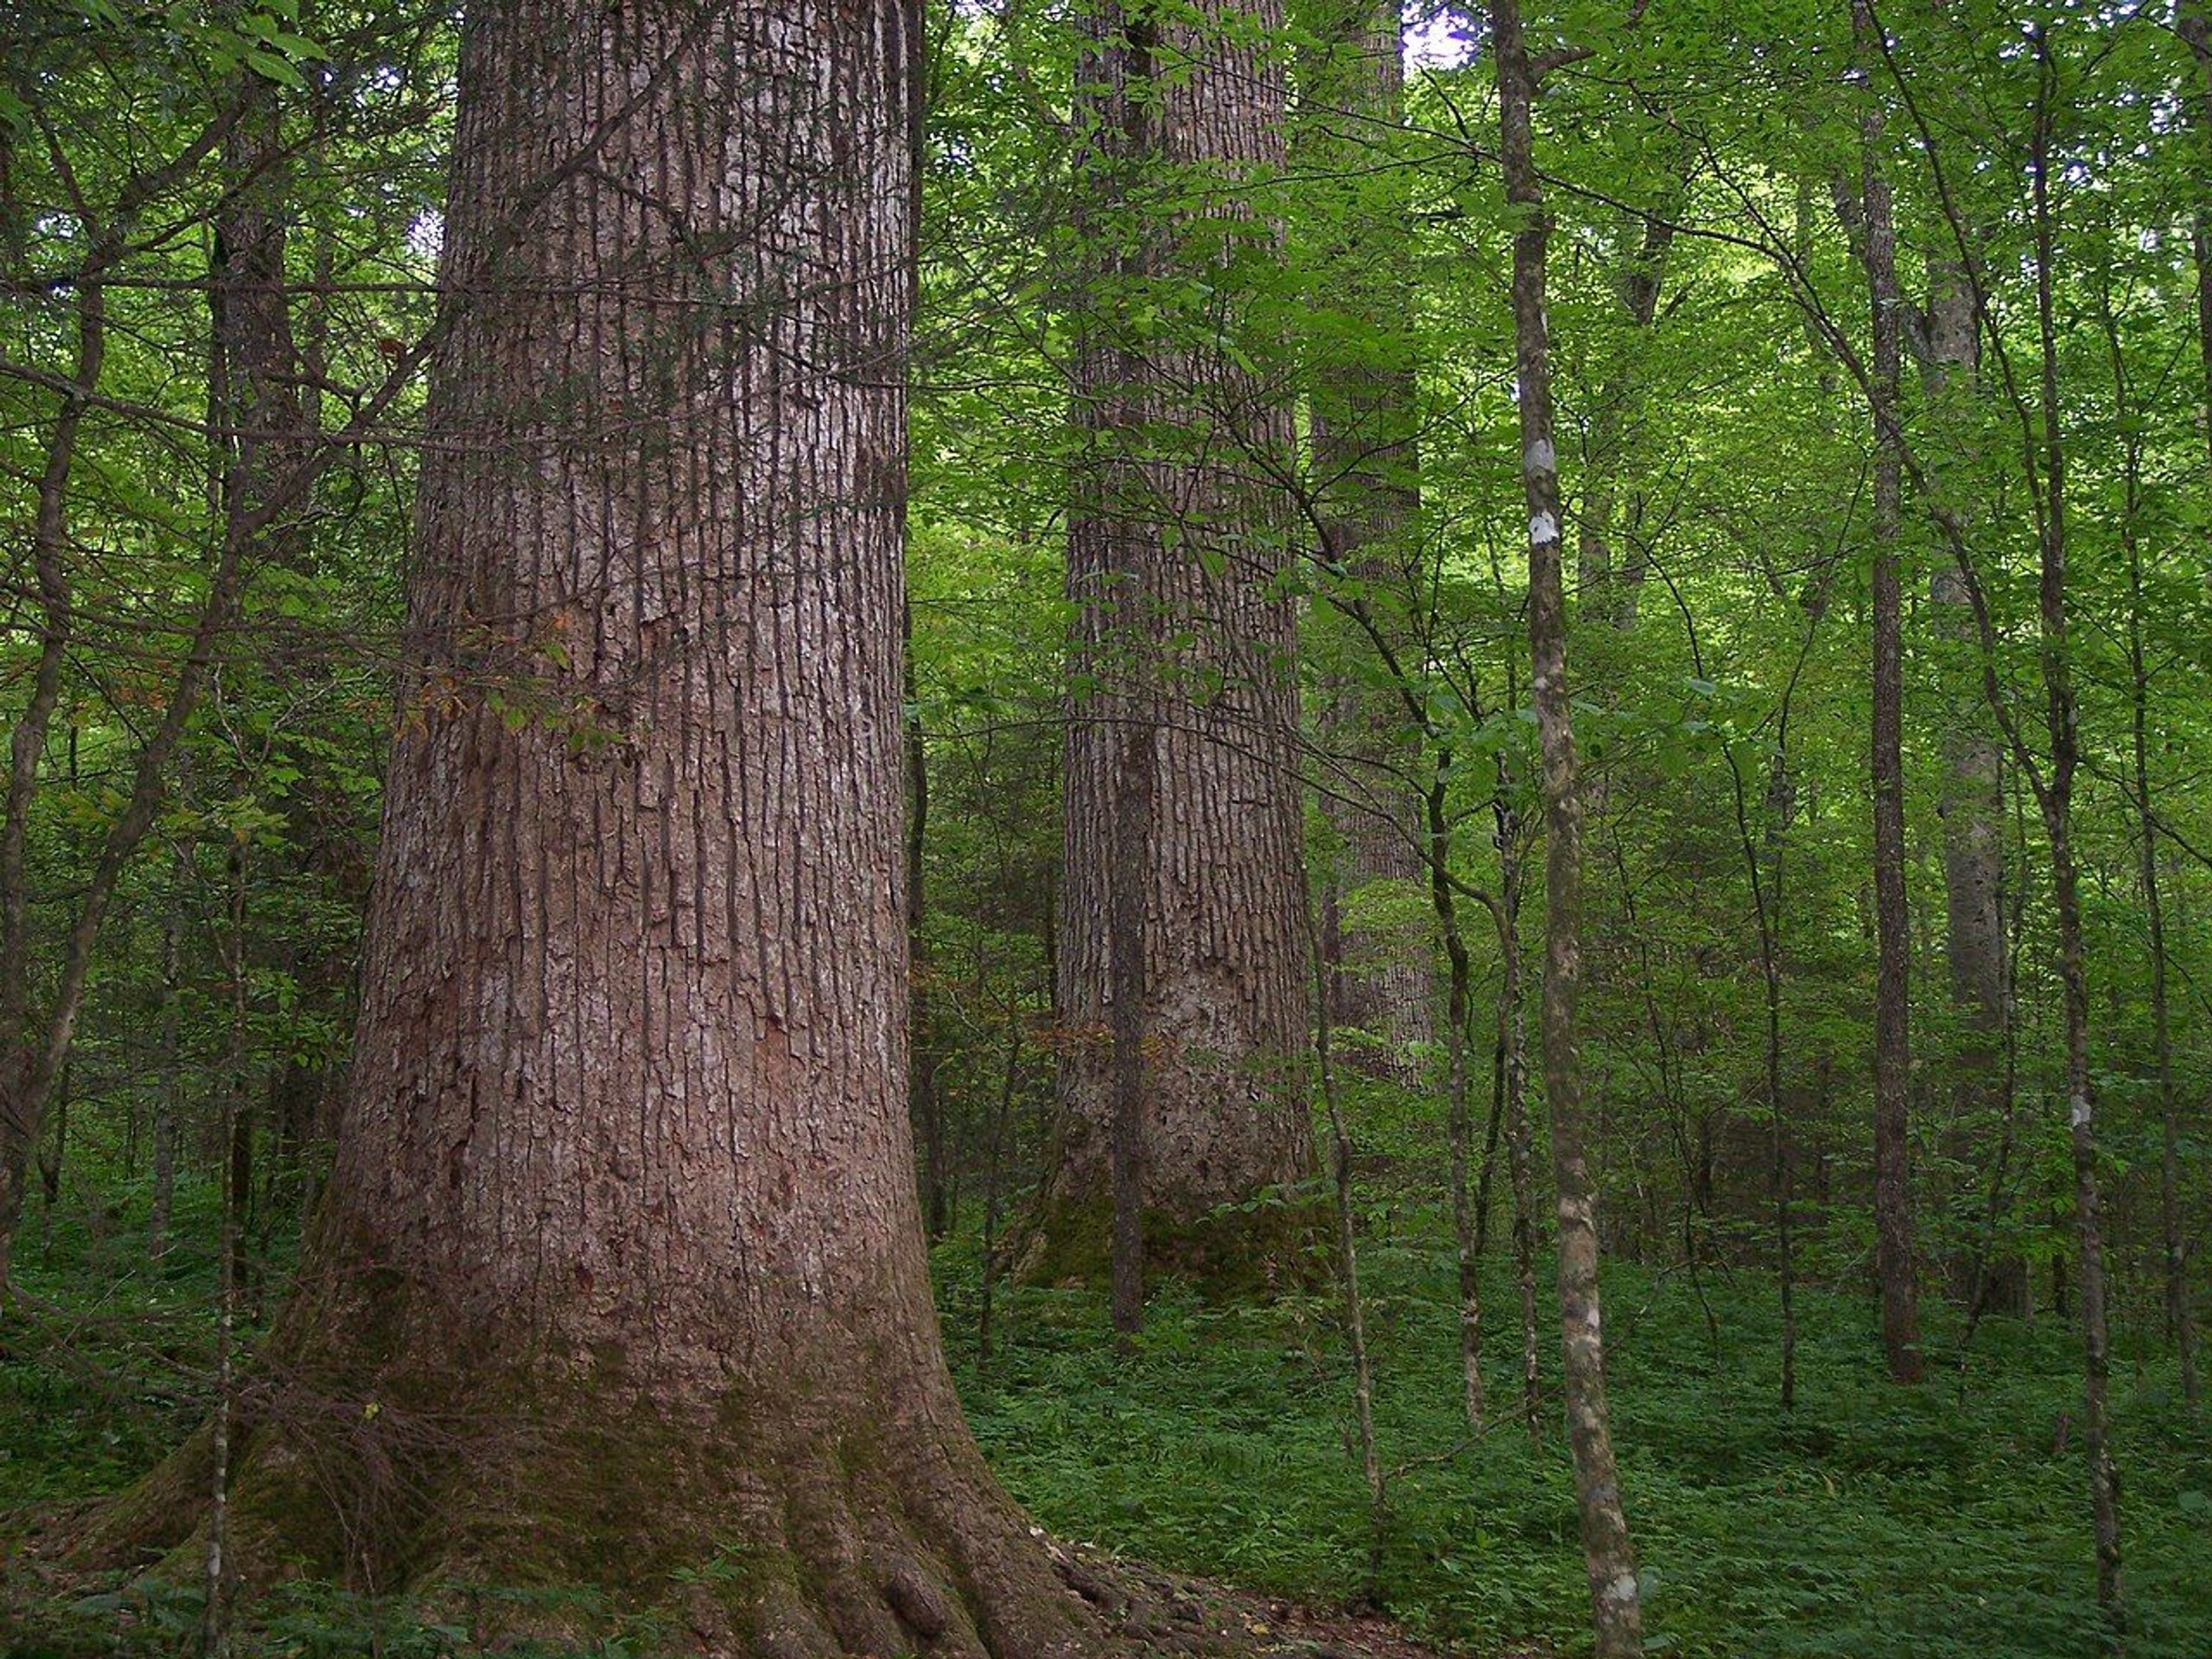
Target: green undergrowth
1871,1522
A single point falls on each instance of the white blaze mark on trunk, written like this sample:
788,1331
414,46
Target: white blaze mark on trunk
1542,528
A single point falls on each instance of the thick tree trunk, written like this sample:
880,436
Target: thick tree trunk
1616,1601
621,1272
1971,803
1893,1200
1175,538
1366,417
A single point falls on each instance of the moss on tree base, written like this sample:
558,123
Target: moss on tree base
1236,1252
845,1514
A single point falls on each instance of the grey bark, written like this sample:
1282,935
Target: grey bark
1616,1601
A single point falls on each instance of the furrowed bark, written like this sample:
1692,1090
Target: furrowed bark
620,1275
1184,445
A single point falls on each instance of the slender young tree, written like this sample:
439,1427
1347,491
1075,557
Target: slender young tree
2194,22
1616,1601
1893,1080
621,1262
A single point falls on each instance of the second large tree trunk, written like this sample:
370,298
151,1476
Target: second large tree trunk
1365,414
1185,640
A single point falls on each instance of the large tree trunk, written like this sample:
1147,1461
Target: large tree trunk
1177,533
1971,804
621,1267
1366,420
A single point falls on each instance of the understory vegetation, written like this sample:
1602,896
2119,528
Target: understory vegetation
1869,1523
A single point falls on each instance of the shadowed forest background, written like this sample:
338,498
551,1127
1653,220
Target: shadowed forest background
858,829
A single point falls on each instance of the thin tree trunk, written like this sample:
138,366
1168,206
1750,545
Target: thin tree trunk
928,1107
1466,1252
1971,807
1355,1317
2194,22
2180,1327
1615,1600
1893,1082
214,1609
169,1087
1513,1044
993,1187
2180,1324
2057,800
22,1100
260,482
1366,418
1612,589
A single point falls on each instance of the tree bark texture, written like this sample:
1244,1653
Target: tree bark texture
1176,537
620,1267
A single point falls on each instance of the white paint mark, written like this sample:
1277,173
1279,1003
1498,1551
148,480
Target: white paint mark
1543,527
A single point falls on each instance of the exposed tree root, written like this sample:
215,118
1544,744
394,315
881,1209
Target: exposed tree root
808,1522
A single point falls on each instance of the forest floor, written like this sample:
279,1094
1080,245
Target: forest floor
1868,1523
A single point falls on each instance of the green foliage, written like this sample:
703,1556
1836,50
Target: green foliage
1870,1522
